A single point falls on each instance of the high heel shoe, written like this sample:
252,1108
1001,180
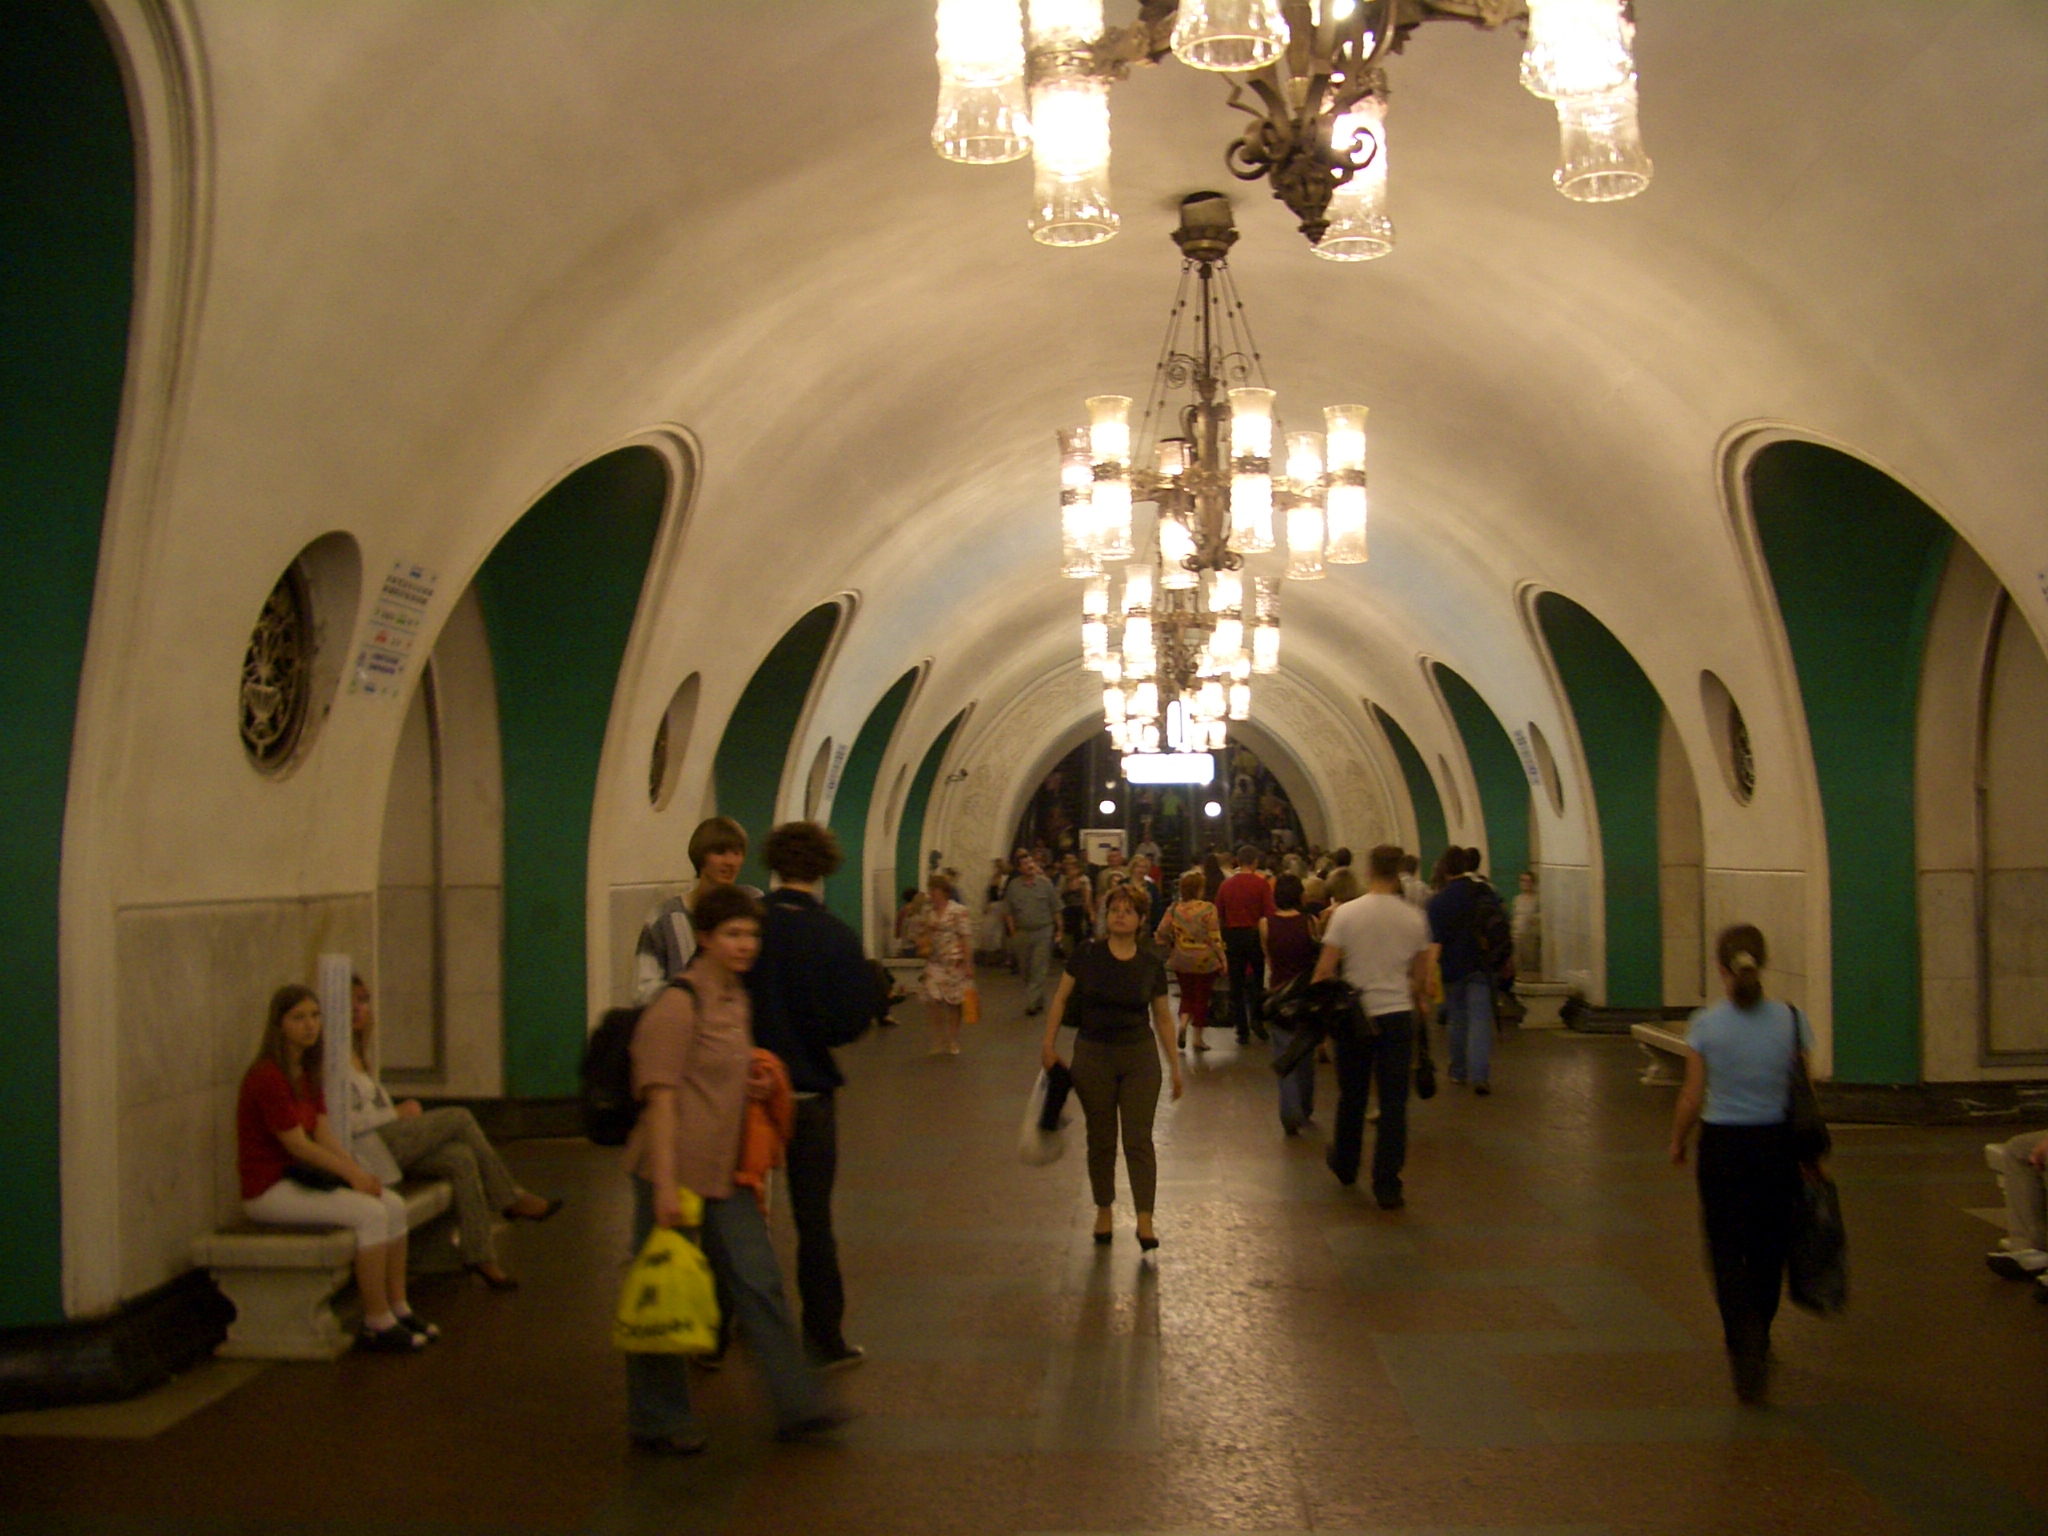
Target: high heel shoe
498,1282
1147,1243
1104,1237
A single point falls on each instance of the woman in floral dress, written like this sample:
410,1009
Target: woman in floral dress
949,964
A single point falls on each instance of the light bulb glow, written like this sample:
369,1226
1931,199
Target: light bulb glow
1251,513
981,42
1095,599
1212,809
1210,702
1305,462
1144,701
1346,515
1305,542
1251,423
1240,701
1113,706
1070,160
1094,644
1107,807
1173,457
1266,649
1577,48
1113,667
1227,639
1137,592
1600,147
1109,428
1176,548
1344,437
1112,502
1226,593
1229,35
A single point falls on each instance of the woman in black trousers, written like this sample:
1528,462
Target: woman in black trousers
1740,1058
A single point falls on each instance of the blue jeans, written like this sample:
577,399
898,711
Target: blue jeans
735,1239
1297,1088
1360,1062
1468,1022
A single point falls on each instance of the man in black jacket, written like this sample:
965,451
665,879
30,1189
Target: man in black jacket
812,991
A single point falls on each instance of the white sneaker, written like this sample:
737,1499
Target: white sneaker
2018,1263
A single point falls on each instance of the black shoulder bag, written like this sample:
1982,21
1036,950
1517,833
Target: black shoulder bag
1810,1138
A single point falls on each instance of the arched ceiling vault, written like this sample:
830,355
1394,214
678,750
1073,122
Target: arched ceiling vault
457,251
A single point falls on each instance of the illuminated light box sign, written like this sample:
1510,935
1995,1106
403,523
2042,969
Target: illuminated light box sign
1169,768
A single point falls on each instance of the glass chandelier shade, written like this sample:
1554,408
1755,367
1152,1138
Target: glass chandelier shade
1077,504
1176,548
1064,23
1360,229
1109,437
1305,506
1229,35
1577,48
983,116
1344,500
1600,146
1070,161
1251,477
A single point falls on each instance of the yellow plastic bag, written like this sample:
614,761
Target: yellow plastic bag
668,1305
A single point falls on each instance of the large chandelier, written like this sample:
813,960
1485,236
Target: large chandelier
1195,628
1033,78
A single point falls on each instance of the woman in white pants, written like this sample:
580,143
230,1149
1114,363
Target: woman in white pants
295,1173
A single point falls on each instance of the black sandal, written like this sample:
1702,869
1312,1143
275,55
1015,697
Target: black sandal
395,1340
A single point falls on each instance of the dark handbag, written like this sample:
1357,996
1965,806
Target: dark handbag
1817,1262
1425,1065
1059,1082
306,1176
1810,1138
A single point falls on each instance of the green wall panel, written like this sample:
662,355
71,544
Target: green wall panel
1620,717
1503,786
910,829
1856,559
747,772
1430,830
846,892
559,594
67,206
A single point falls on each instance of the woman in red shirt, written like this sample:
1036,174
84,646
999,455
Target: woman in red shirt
290,1162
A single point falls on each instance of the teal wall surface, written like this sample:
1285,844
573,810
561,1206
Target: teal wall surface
67,208
1856,560
910,828
747,772
559,595
846,892
1620,718
1431,833
1503,786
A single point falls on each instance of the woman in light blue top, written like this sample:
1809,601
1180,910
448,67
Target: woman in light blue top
1739,1063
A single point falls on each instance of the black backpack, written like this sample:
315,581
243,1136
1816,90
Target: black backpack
1496,938
609,1108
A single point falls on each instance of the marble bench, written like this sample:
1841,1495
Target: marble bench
1666,1050
282,1280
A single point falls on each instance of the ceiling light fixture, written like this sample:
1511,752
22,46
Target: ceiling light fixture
1020,77
1196,627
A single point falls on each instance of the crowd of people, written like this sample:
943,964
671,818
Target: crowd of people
744,997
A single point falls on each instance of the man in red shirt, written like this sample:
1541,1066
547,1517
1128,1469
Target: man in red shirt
1241,901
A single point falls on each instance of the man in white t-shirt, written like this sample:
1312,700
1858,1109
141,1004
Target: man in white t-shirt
1381,944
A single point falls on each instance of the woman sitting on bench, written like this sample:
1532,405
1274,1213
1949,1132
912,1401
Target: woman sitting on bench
295,1173
446,1143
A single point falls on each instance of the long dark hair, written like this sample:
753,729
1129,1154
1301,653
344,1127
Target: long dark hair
1212,875
1740,951
274,1047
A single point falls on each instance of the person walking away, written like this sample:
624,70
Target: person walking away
949,964
991,933
1242,902
1077,903
1288,938
693,1075
811,993
1456,919
1124,1026
1413,887
295,1173
667,936
1193,940
393,1140
1032,913
1380,945
1740,1056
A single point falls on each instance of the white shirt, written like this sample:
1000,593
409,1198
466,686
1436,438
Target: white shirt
1380,937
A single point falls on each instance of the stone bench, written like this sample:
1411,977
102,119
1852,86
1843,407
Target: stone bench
1543,1003
1666,1050
282,1280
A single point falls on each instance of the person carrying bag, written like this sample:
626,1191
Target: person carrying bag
1193,937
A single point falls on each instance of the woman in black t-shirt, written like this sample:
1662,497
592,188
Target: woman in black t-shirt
1125,1025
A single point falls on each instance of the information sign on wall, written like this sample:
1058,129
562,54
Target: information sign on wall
1528,756
397,618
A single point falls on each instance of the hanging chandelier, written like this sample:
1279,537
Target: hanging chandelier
1194,627
1033,79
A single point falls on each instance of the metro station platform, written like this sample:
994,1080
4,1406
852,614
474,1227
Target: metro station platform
1529,1347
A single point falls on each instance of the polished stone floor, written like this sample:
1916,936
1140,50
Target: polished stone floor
1529,1347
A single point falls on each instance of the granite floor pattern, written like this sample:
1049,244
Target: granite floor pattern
1529,1347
